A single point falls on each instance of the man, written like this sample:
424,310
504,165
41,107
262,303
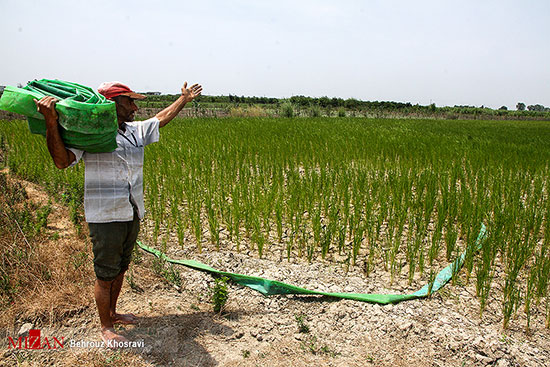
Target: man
113,191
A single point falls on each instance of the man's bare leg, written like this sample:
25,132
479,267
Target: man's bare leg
102,292
119,318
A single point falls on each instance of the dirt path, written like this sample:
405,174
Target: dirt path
179,328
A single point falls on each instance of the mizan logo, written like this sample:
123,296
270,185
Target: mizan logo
35,341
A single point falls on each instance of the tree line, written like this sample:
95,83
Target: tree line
327,104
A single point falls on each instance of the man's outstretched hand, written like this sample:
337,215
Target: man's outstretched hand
187,95
191,93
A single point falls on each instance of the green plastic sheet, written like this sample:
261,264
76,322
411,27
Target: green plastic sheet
272,287
87,120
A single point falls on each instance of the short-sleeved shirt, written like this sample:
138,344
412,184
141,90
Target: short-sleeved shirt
113,182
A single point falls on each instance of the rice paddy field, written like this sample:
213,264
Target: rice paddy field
402,196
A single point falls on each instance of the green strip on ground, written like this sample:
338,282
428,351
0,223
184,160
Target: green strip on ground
271,287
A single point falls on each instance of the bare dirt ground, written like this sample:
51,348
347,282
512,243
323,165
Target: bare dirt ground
179,328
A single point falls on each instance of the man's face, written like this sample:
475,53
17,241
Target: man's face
125,109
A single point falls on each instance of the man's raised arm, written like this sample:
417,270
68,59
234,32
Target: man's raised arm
62,157
187,95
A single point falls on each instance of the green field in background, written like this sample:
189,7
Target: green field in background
366,192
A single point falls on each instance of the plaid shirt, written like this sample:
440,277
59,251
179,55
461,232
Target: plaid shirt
113,182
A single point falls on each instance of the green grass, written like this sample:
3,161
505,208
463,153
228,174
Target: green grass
377,192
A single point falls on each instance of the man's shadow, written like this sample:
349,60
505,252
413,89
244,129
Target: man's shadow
171,339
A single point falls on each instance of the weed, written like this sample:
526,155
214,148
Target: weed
7,289
12,193
167,272
46,273
173,276
73,197
302,326
506,339
220,294
132,283
79,259
311,345
137,257
21,358
325,349
42,216
157,265
112,358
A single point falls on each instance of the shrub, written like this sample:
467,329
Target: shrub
287,110
314,110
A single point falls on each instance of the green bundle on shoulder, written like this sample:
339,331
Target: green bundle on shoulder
87,120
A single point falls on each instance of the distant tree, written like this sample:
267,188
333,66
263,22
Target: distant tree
503,108
335,102
351,103
324,101
300,100
520,106
536,107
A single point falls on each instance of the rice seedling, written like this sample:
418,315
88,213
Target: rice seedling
385,195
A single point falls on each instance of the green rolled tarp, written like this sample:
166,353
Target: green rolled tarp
87,120
272,287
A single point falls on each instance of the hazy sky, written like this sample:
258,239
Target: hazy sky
449,52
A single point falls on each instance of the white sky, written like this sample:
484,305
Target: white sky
463,52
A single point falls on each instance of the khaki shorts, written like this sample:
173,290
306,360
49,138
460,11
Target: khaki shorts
113,244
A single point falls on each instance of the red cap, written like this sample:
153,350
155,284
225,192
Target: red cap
114,89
